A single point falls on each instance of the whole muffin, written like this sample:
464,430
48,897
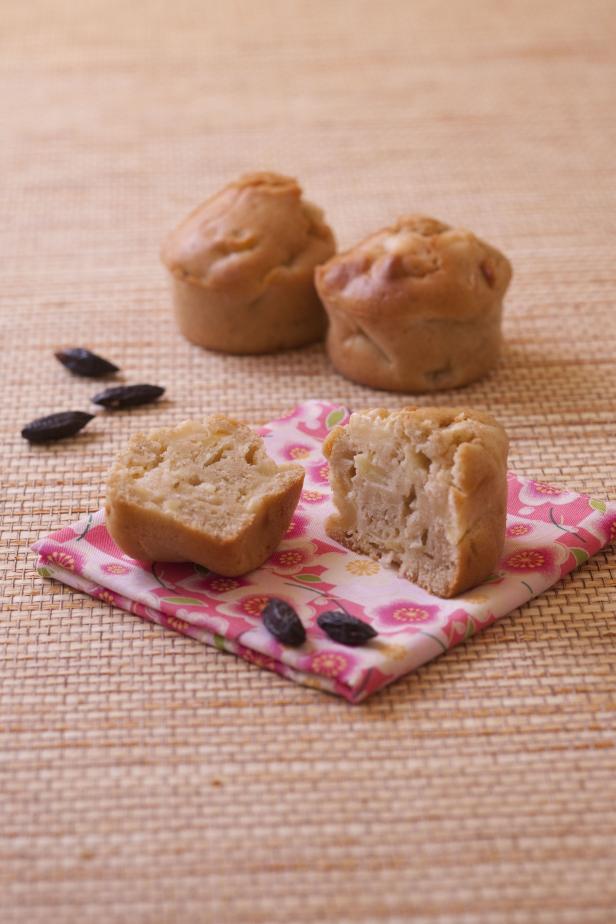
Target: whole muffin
415,307
242,267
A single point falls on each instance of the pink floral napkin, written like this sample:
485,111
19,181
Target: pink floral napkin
550,531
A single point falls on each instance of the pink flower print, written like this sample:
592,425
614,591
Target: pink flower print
578,546
330,416
604,528
330,664
253,605
115,567
460,626
600,527
313,497
545,502
456,629
538,493
291,415
296,451
172,622
319,474
542,490
67,560
519,529
527,559
297,526
101,593
222,585
70,561
256,657
62,558
406,613
290,559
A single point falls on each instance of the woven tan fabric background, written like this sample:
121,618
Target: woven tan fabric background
146,778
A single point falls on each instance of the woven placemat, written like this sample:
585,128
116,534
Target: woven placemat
145,778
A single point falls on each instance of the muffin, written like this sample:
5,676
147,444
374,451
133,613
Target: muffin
424,489
415,307
242,267
205,492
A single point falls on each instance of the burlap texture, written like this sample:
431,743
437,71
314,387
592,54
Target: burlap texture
145,778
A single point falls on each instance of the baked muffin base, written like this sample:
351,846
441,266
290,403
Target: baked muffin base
286,316
426,355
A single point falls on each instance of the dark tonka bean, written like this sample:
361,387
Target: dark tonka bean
345,629
283,622
128,396
55,426
83,362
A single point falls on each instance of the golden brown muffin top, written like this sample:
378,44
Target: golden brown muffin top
255,226
418,266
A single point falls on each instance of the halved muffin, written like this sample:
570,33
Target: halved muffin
205,492
422,488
